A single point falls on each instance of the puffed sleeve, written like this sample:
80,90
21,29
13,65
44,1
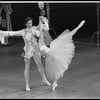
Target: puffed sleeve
4,34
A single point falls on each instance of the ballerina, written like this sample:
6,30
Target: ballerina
60,53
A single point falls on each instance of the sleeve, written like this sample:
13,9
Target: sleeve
15,33
11,33
4,34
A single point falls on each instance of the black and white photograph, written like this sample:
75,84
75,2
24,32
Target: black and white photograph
49,50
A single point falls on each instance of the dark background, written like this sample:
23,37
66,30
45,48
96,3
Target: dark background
62,16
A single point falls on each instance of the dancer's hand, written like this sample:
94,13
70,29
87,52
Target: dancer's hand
45,51
44,48
37,33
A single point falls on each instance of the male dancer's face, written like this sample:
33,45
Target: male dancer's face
29,24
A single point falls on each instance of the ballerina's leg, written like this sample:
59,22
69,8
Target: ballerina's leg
78,27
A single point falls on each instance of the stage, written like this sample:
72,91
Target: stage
81,80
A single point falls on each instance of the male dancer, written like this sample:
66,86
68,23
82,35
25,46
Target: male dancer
28,35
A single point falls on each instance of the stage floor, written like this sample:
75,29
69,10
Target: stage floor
81,80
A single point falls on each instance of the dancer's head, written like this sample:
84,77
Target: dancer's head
28,22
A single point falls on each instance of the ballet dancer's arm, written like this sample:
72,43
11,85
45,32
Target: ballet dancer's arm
4,34
15,33
11,33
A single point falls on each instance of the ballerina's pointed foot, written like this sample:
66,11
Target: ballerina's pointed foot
27,89
54,85
81,24
45,81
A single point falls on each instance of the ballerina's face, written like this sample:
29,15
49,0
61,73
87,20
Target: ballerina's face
29,24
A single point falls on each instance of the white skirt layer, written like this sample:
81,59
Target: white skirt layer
62,52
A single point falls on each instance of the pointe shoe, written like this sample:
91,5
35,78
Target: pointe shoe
54,85
45,81
27,89
81,24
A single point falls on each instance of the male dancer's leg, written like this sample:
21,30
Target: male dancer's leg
37,59
26,72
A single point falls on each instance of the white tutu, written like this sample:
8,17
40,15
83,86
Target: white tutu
61,53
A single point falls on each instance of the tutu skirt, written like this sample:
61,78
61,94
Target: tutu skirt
61,54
